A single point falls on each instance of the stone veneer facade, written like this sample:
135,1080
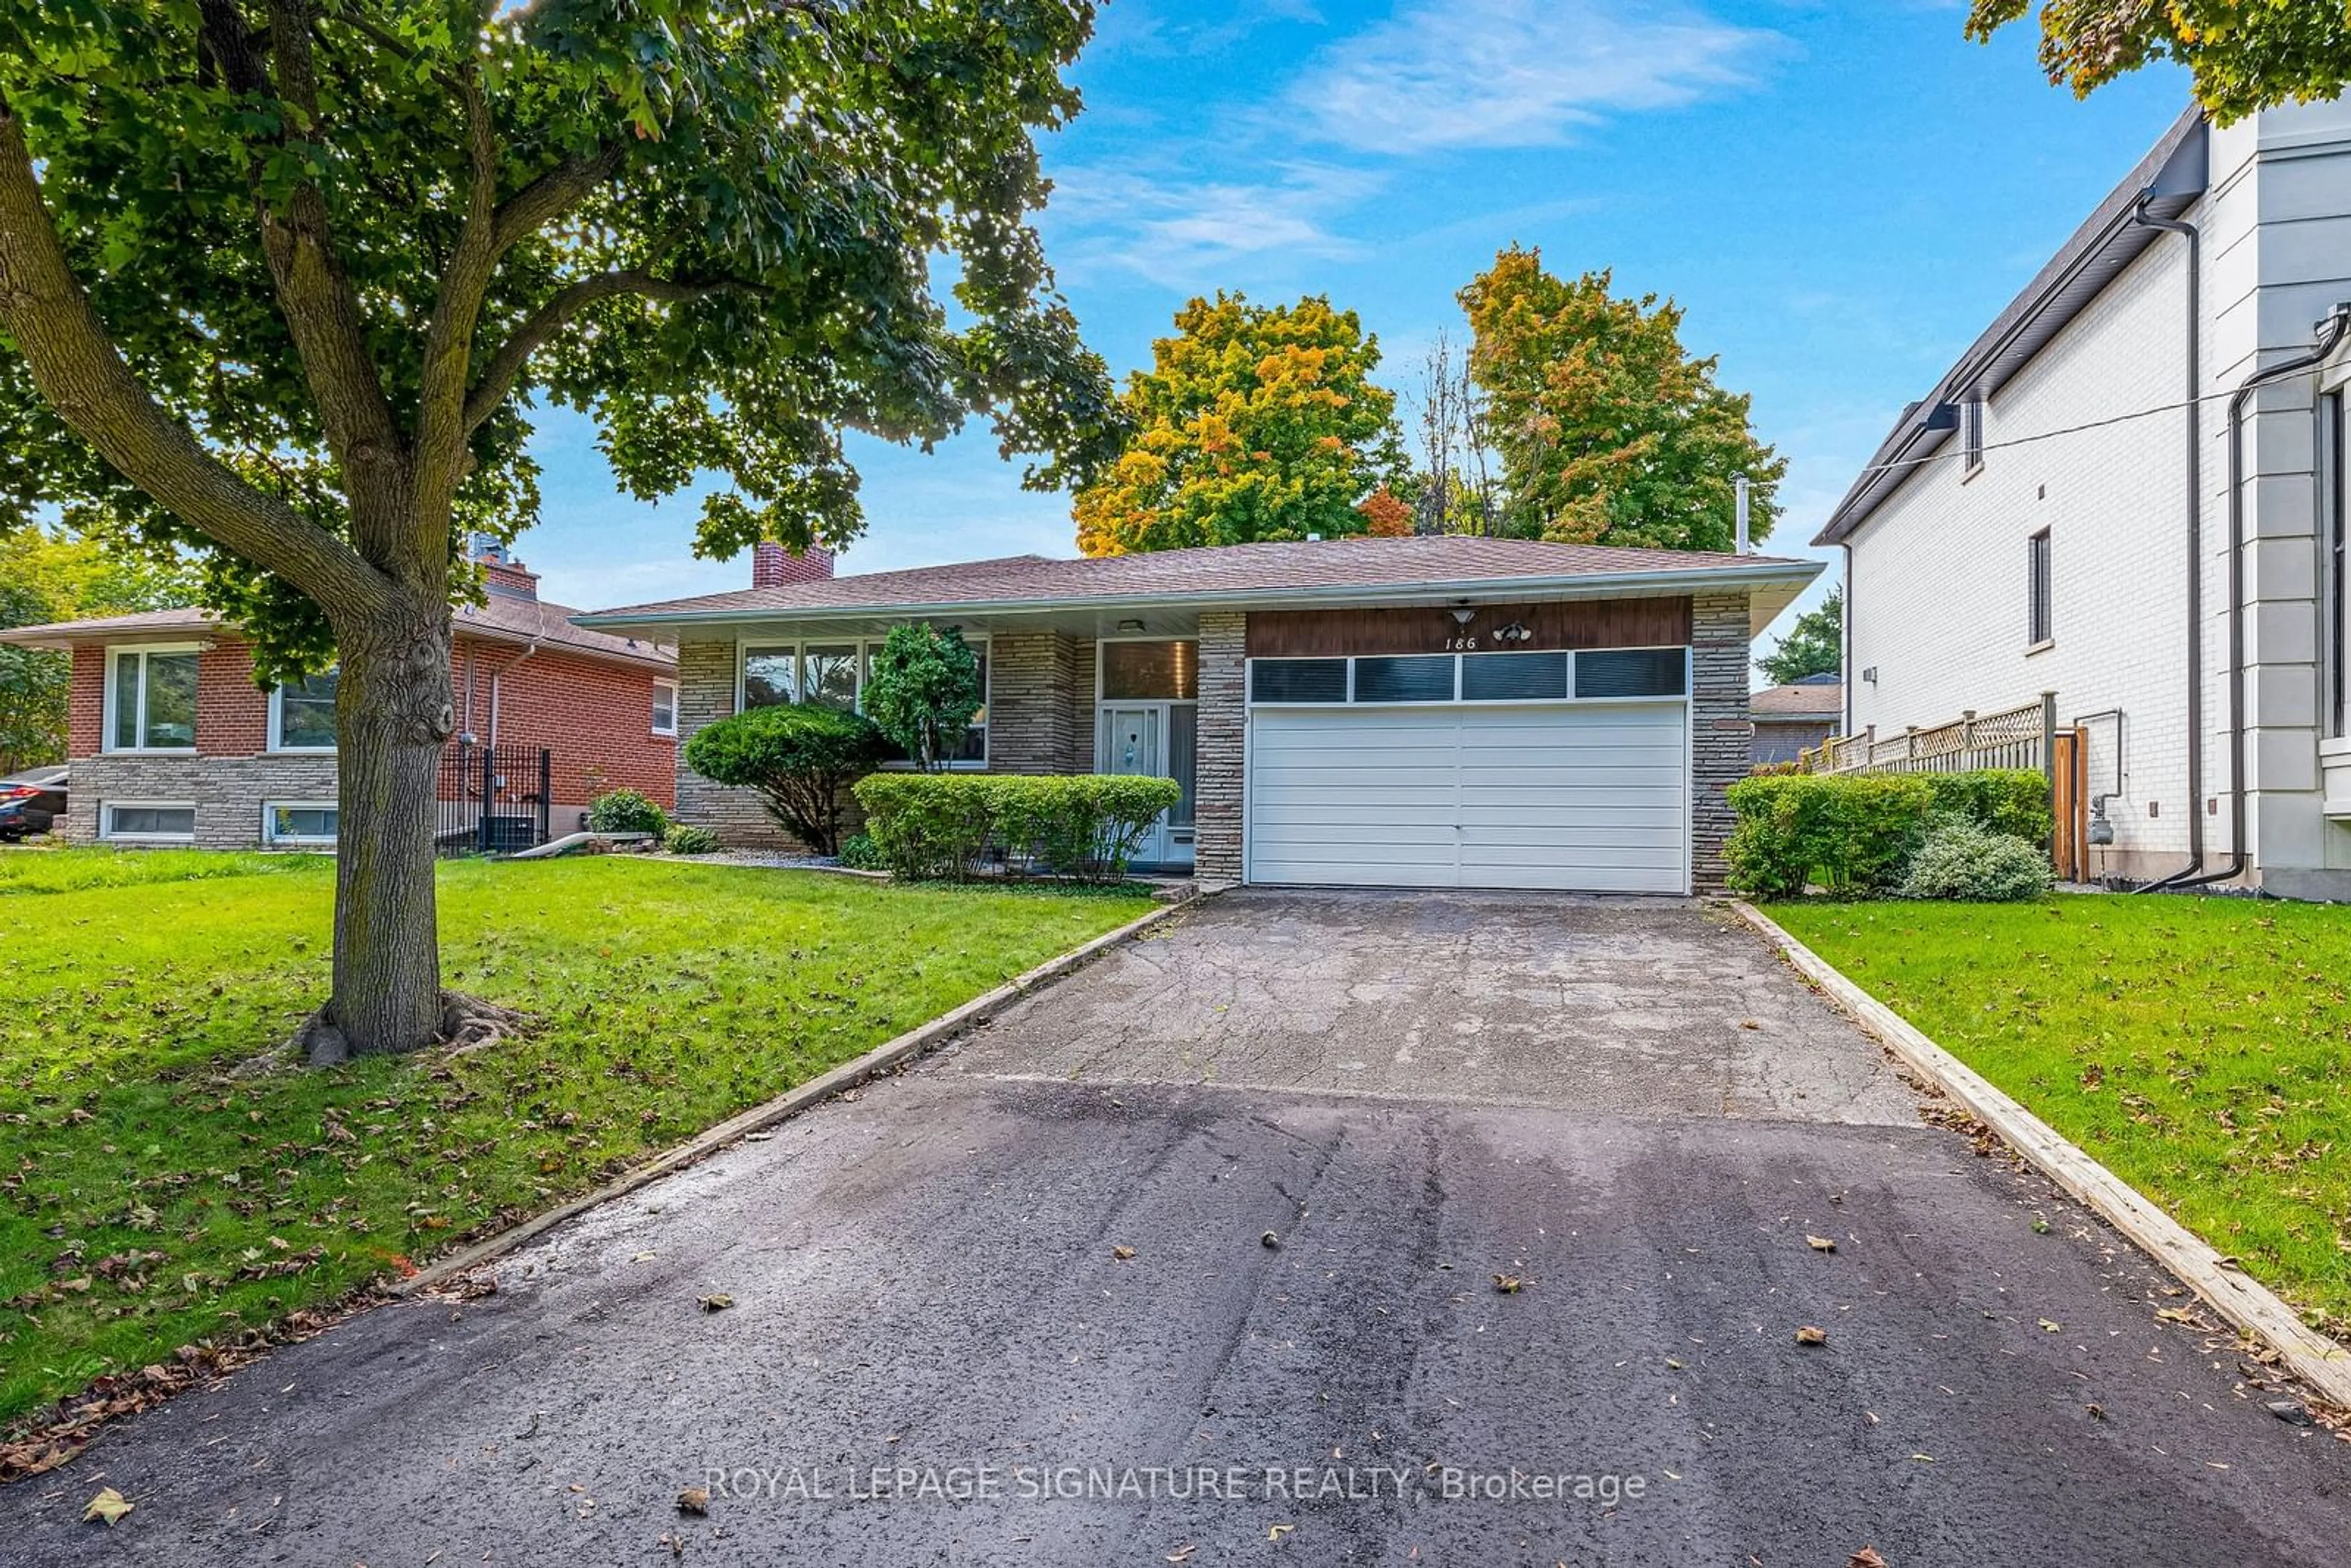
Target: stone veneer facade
1223,742
1721,734
1041,720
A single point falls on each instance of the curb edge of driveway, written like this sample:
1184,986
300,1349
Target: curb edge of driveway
790,1103
2317,1360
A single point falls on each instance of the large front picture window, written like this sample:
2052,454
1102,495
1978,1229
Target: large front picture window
834,674
302,717
152,697
829,676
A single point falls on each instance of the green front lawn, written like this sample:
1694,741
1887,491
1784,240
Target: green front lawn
2199,1049
155,1196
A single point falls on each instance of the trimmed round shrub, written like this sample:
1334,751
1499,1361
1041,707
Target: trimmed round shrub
799,757
860,852
626,811
685,839
1966,863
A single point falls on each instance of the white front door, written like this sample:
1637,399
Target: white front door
1133,739
1576,796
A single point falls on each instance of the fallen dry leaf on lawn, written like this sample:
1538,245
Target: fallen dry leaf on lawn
715,1303
1808,1334
1508,1285
1819,1243
693,1499
2175,1315
1866,1557
1124,1254
109,1505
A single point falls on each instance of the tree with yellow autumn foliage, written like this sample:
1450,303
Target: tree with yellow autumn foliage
1254,423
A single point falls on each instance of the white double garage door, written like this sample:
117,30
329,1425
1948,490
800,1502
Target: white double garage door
1589,796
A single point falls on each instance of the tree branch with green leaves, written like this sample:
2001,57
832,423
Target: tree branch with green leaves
281,280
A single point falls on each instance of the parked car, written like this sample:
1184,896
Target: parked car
31,801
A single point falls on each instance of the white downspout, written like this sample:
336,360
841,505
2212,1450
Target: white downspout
500,674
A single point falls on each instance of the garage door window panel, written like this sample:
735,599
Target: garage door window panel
1632,673
1298,680
1407,678
1513,677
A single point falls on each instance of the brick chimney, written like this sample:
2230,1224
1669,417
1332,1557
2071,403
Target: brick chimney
503,577
772,566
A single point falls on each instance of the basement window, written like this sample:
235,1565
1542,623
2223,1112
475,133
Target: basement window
148,821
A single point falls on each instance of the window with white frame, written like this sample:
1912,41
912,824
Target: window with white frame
1971,431
302,715
299,821
150,699
2333,493
664,707
833,672
2040,608
148,821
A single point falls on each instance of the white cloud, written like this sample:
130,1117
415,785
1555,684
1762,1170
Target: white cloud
1442,74
1186,233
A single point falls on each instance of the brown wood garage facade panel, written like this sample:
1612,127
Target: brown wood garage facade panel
1573,623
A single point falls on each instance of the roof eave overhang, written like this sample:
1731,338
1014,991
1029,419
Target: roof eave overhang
49,640
511,637
1757,579
2166,183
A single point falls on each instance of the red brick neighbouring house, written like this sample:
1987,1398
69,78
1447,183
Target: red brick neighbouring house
172,742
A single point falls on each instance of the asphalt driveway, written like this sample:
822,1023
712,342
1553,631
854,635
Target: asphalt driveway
936,1351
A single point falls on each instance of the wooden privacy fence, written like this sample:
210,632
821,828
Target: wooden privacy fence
2025,737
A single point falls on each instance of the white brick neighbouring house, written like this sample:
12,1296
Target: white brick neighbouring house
2028,526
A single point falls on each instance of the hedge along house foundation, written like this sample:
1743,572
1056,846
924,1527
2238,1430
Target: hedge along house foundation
1428,712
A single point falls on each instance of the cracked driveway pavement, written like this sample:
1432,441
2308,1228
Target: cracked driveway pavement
1628,1105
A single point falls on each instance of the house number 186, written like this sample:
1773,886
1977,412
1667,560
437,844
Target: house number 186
1459,644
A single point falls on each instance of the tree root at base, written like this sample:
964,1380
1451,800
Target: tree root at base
467,1024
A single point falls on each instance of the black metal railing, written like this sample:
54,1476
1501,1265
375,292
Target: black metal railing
493,799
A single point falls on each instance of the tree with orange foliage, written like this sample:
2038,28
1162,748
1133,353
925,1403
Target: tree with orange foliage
1386,515
1608,430
1254,423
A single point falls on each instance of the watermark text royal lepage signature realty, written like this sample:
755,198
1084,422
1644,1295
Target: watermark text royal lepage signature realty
988,1482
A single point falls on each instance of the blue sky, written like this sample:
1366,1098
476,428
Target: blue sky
1840,195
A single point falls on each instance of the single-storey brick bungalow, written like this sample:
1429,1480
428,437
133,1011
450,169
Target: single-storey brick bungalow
1427,712
172,742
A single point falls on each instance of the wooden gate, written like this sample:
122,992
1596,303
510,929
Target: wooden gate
2069,802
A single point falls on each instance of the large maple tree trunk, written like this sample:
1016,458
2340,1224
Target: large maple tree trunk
393,716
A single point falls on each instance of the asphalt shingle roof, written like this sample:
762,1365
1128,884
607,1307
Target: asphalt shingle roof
1802,701
504,619
1242,569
